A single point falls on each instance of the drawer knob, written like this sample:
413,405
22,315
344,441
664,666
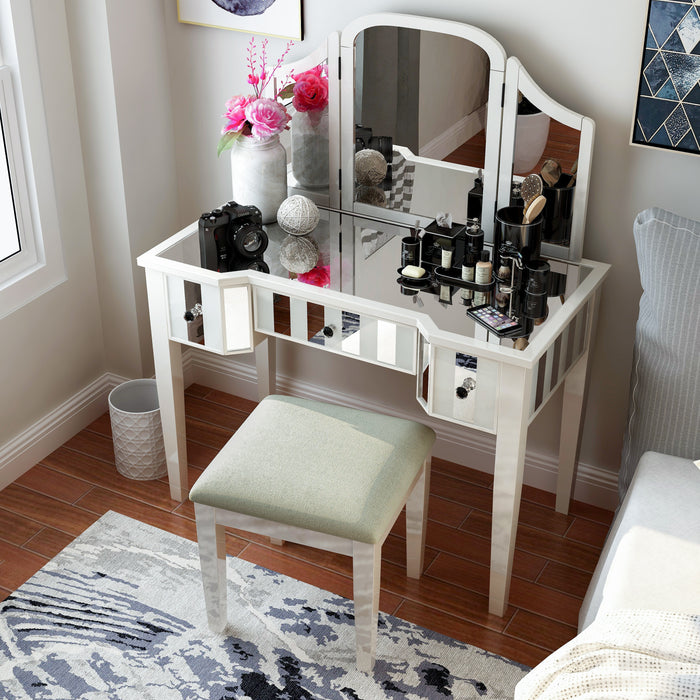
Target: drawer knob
193,313
328,331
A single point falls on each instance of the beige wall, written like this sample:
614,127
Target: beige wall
52,347
454,79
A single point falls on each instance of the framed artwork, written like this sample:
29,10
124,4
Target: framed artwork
668,101
276,18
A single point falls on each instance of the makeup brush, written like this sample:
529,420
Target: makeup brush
551,172
574,170
536,206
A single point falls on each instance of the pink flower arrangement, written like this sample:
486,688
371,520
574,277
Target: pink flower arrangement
254,115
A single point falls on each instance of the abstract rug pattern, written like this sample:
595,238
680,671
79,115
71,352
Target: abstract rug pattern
119,614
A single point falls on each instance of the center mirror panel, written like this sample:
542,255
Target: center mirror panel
421,119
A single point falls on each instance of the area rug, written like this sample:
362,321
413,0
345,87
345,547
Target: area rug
119,614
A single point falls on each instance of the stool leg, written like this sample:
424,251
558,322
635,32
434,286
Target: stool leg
212,560
416,523
366,578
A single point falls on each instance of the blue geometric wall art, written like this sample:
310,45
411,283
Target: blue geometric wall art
668,102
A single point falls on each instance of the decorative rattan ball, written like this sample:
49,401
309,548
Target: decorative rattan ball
298,254
298,215
370,167
370,194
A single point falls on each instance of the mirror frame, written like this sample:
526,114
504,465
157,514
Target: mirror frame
497,66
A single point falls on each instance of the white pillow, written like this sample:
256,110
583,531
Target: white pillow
664,410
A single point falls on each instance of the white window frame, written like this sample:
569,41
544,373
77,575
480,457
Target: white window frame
26,257
39,266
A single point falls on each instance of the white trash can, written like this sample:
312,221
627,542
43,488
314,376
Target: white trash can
137,434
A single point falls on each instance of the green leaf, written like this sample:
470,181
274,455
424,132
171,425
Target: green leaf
286,92
226,141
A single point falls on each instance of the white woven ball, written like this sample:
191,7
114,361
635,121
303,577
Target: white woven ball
370,194
298,215
298,254
370,167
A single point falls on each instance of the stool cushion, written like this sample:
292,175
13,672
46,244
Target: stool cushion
318,466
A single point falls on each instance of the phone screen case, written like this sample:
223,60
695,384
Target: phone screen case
495,321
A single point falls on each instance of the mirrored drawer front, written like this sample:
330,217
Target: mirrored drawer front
215,318
560,357
366,337
457,386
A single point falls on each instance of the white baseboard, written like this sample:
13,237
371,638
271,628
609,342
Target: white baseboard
454,443
50,432
453,137
475,449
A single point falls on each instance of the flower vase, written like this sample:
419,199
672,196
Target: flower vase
310,147
259,174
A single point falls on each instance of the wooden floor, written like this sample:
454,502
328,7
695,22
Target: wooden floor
562,146
57,499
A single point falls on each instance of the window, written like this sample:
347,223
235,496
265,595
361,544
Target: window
16,235
31,257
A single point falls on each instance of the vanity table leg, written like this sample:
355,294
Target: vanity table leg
575,391
570,434
511,439
167,356
266,365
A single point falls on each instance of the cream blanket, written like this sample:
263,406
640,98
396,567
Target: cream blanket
630,654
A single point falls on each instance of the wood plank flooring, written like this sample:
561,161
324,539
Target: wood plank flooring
562,146
57,499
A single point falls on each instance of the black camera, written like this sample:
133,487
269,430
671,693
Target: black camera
232,238
383,144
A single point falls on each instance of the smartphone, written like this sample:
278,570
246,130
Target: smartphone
495,321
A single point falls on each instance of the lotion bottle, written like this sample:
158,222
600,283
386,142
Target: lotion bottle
482,275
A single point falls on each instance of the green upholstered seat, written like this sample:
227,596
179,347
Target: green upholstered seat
318,466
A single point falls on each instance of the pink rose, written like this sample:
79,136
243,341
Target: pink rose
235,113
267,117
310,90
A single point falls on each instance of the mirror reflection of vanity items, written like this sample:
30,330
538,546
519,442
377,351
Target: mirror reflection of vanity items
459,117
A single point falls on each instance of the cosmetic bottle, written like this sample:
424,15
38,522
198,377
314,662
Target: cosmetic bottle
482,275
475,198
468,269
503,286
475,237
446,257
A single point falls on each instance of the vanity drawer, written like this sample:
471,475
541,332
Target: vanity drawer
364,336
215,317
457,385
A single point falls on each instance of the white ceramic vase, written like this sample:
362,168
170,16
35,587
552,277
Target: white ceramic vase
310,148
259,174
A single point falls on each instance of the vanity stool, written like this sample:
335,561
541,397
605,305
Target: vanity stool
322,475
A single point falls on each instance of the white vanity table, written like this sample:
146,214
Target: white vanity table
368,315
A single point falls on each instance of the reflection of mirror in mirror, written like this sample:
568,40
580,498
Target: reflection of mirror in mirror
555,160
315,322
281,314
409,107
310,129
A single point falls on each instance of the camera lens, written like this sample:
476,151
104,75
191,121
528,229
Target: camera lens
259,266
250,240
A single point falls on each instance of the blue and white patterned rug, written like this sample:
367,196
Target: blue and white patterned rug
119,614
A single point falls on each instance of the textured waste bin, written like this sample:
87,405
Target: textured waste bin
136,430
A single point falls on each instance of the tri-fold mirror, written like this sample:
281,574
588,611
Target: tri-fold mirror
459,124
